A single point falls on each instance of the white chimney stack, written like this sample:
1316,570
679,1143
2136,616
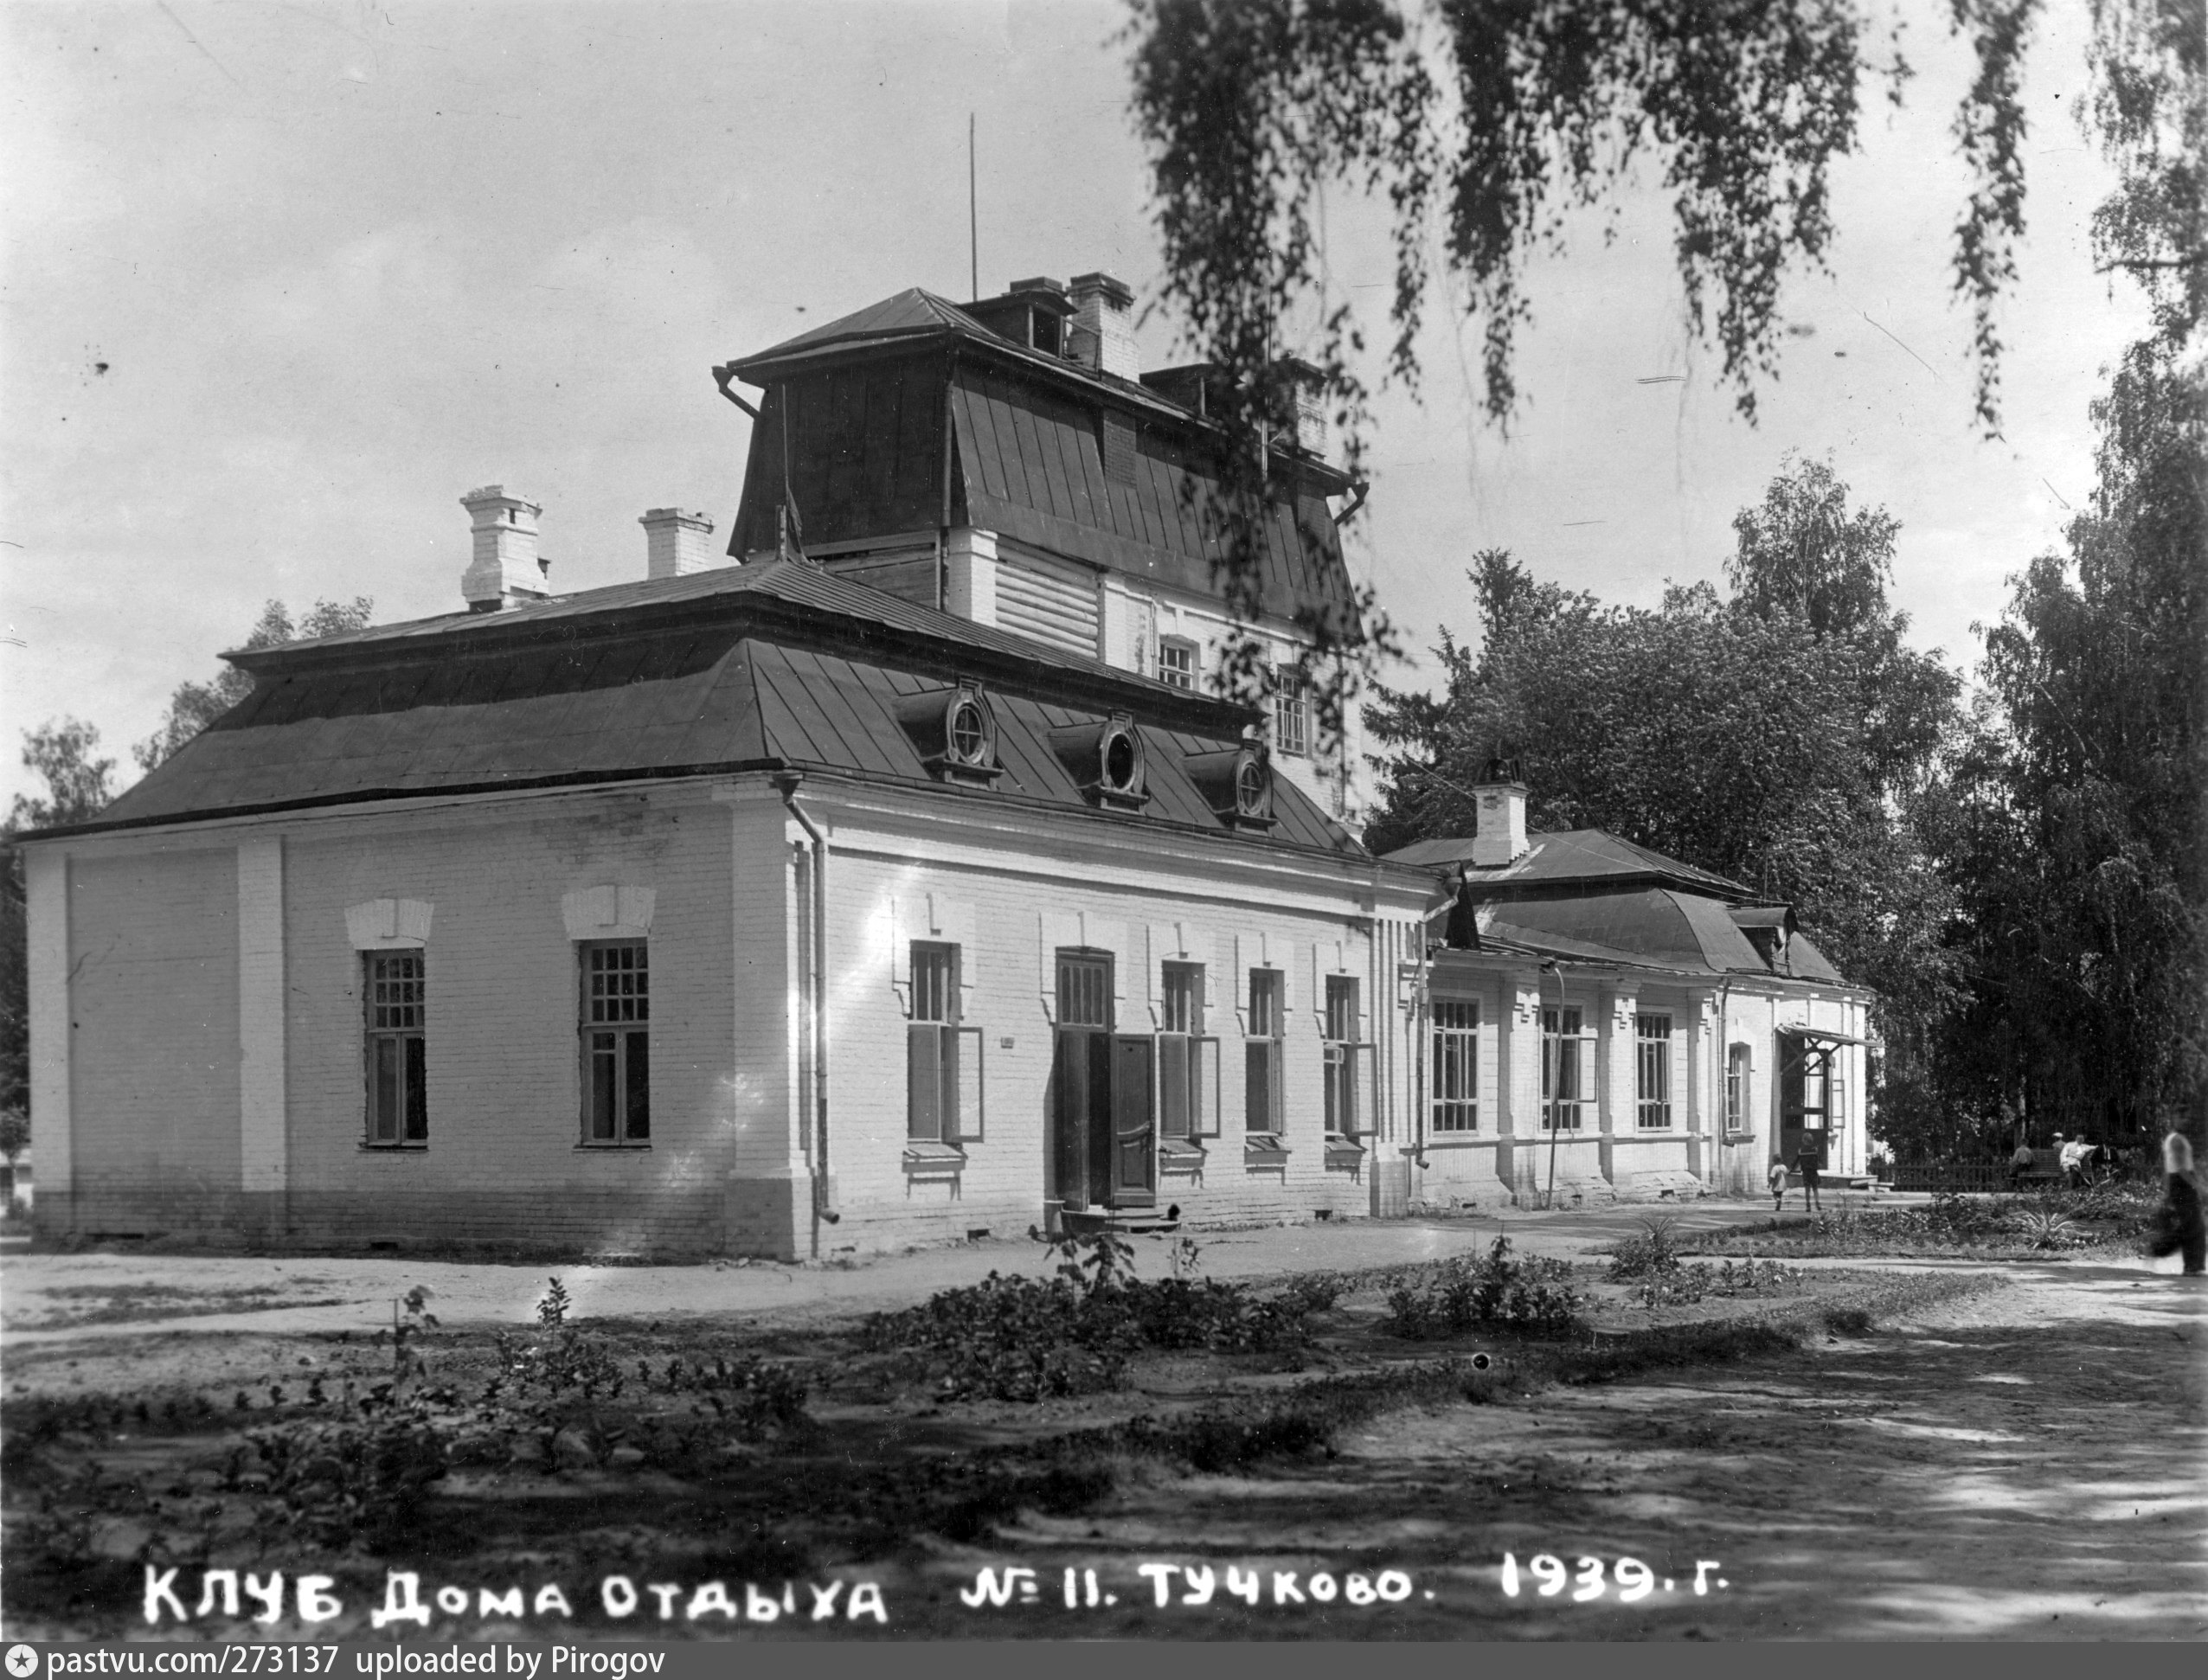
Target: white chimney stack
505,570
1500,838
676,544
1104,326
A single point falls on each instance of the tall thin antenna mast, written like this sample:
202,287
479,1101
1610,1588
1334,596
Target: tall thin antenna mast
973,215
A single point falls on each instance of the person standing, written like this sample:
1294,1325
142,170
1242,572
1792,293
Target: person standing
2178,1229
1778,1179
2019,1165
1805,1165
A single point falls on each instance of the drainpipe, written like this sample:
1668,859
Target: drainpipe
786,784
1557,1076
1724,1070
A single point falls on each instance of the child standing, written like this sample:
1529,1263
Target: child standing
1807,1164
1778,1185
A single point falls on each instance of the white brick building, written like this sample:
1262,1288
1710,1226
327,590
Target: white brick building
919,888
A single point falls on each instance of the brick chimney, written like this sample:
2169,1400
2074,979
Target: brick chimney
1311,405
1500,837
505,570
1103,325
676,543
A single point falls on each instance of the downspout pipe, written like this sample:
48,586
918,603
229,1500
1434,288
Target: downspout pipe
786,783
1556,1079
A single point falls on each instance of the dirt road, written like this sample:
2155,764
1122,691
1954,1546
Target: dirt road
2027,1463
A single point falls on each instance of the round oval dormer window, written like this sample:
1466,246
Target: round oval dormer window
1119,761
1252,787
969,733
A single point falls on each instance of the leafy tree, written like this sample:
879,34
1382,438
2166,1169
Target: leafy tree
2073,825
77,789
15,1133
196,705
1785,737
2074,829
61,752
1500,116
1496,119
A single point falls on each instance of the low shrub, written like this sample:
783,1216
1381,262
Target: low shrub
1034,1338
1683,1285
1652,1253
1529,1295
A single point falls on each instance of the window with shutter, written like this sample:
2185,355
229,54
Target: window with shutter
1341,1058
933,1042
1261,1054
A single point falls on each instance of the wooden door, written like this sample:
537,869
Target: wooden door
1134,1125
1080,1167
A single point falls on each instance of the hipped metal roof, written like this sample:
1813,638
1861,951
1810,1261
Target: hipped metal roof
757,667
1584,895
1580,855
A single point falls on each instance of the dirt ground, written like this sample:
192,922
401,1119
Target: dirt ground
2025,1463
2029,1463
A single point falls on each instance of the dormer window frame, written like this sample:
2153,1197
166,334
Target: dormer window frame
955,729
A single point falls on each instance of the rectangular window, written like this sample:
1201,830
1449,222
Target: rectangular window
932,1045
398,1099
1652,1065
1187,1060
1340,1055
617,1043
1176,662
1456,1065
1564,1062
1737,1088
1262,1109
1290,713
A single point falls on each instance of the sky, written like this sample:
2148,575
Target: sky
281,280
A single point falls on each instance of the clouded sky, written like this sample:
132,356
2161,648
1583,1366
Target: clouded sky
284,279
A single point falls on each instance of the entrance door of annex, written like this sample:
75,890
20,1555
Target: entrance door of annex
1103,1125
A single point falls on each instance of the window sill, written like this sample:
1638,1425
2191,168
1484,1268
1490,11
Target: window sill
1265,1147
595,1147
394,1149
934,1160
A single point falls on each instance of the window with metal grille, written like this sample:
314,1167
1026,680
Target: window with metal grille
1261,1110
1653,1064
617,1043
1456,1065
1567,1053
1290,713
396,991
1341,1058
1176,662
1737,1088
